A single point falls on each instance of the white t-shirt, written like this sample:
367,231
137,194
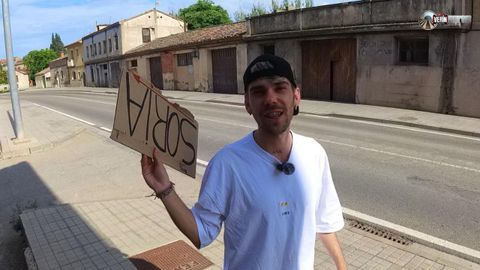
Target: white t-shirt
271,219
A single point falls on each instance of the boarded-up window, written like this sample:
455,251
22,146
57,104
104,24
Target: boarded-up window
133,63
184,59
145,35
413,50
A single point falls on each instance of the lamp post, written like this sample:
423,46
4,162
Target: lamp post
12,81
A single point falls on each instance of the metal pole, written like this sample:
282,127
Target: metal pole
12,80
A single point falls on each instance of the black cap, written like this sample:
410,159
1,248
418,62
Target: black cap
268,65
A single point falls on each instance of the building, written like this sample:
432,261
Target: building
210,59
375,52
23,82
75,67
104,49
59,71
43,78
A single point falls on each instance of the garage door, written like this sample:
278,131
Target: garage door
329,70
224,65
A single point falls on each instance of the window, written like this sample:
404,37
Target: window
110,45
146,35
413,50
269,49
99,48
91,50
61,74
92,73
88,54
74,77
76,52
133,63
116,41
104,46
71,55
95,49
184,59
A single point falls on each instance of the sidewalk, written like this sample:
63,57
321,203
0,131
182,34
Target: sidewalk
101,216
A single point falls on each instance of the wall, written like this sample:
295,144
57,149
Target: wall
466,94
23,81
132,29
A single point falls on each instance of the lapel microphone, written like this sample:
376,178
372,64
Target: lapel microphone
287,168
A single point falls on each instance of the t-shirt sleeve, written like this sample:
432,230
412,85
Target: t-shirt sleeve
329,211
211,209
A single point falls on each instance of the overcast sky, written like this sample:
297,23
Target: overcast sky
34,21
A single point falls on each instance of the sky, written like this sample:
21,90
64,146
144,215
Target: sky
33,21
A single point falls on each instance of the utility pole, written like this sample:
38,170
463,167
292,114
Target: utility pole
12,80
155,18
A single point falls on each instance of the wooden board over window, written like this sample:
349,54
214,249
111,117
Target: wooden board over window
329,70
224,65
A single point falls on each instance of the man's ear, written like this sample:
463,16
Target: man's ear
296,96
247,103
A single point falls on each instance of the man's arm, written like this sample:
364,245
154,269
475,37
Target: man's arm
330,242
157,178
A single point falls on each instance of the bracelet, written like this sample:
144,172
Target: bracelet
166,192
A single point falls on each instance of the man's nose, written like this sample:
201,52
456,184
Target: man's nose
271,96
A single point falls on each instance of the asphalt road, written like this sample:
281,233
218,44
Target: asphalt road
425,181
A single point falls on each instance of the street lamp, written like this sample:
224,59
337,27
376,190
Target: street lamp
12,81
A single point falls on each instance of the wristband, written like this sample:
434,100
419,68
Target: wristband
166,192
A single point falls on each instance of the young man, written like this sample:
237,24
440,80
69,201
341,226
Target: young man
272,189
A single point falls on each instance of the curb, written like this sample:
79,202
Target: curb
416,236
39,147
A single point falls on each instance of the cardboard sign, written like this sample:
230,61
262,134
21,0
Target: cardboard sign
145,119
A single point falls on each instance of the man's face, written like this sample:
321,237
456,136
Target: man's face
271,101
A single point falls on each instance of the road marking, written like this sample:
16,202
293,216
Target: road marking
225,122
400,155
202,162
67,115
106,129
397,126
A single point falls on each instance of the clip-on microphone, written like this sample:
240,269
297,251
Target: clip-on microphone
287,168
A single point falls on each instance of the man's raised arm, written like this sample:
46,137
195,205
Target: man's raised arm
157,178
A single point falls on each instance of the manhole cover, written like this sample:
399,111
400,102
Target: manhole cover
174,256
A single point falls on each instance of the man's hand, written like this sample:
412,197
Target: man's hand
154,172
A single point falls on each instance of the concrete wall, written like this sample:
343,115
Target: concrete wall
183,75
59,76
466,93
354,13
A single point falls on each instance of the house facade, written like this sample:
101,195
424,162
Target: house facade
104,49
59,72
375,52
43,78
208,60
75,67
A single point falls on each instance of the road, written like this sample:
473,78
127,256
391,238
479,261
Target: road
426,181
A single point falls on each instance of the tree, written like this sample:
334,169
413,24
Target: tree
57,45
38,60
3,76
308,3
275,7
257,10
202,14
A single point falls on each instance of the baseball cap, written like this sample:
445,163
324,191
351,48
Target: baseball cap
268,65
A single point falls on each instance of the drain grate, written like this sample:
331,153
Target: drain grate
380,232
174,256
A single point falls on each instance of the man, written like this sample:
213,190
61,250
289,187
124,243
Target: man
272,189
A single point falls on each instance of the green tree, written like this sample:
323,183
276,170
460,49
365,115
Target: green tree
308,3
3,76
202,14
37,60
56,44
275,6
257,10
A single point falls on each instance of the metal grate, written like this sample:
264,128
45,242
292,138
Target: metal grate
380,232
174,256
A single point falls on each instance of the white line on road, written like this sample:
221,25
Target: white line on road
401,155
67,115
397,126
106,129
202,162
